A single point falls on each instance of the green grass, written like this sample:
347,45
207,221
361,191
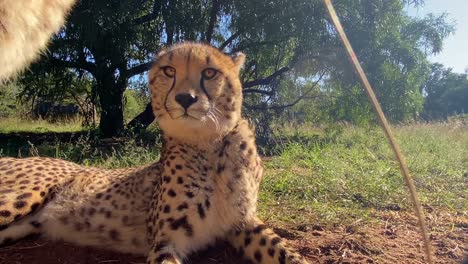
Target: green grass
348,176
12,125
87,149
342,174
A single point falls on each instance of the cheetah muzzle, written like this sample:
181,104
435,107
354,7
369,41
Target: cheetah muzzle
203,188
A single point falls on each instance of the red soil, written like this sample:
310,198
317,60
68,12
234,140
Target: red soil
392,238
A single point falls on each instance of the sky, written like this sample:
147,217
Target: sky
455,49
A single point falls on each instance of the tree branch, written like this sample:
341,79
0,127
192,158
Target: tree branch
254,44
230,40
149,17
88,66
213,18
258,91
266,80
139,69
143,120
291,104
237,34
247,72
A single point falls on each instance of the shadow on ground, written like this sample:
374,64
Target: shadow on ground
35,250
392,238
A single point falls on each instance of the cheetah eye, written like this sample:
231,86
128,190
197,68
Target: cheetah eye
209,73
169,71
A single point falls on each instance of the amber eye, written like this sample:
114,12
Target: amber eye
209,73
169,71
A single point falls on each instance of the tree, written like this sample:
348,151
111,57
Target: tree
393,50
287,41
446,93
109,40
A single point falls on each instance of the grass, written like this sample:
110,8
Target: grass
12,125
347,177
338,175
86,149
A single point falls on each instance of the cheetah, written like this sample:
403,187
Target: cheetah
25,29
204,188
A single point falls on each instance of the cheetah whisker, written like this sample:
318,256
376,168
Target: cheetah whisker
213,118
217,115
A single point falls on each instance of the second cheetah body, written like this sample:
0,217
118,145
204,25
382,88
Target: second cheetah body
26,27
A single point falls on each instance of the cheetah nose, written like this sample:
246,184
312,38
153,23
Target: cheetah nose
186,100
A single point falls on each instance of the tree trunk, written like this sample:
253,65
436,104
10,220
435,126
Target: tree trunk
143,120
110,93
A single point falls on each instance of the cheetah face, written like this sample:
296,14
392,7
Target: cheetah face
196,92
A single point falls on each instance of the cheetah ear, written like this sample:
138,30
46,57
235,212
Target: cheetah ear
161,52
238,58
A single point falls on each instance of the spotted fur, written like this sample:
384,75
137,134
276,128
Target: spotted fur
204,187
25,29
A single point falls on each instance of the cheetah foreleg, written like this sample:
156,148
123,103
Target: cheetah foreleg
18,230
261,245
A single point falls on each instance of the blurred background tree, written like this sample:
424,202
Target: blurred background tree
446,93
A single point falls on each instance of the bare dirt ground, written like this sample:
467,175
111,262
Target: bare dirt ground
392,238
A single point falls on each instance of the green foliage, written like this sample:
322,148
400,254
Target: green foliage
134,103
9,105
105,42
446,93
392,48
48,83
290,44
